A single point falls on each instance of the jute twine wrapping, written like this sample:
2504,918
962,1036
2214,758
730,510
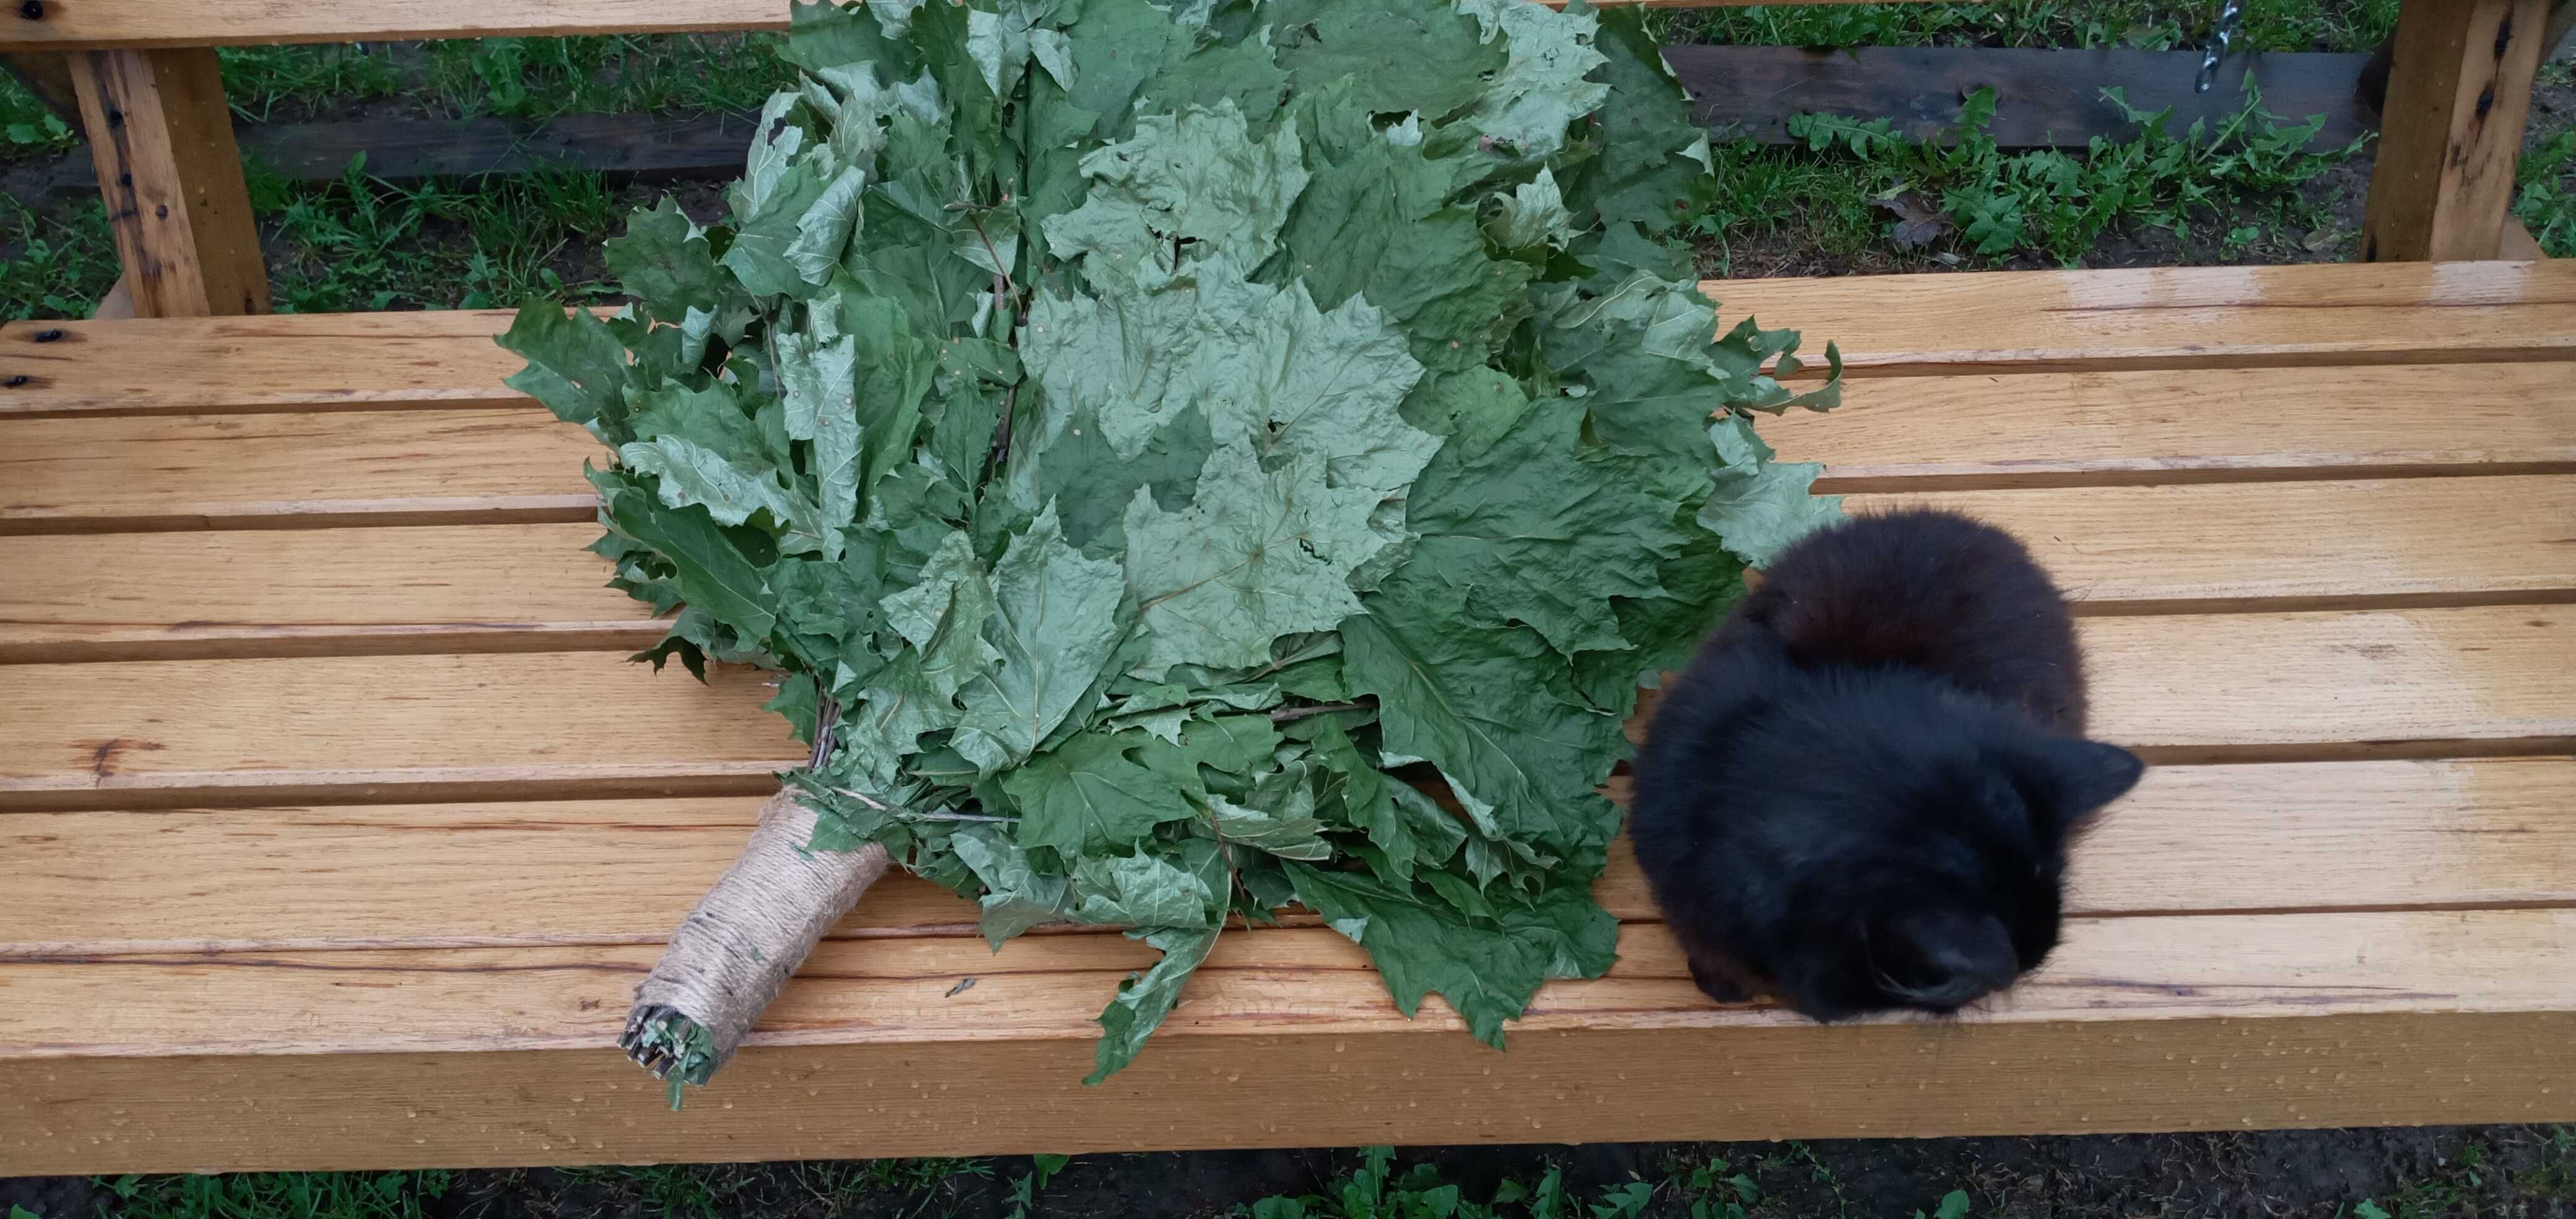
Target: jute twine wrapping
734,952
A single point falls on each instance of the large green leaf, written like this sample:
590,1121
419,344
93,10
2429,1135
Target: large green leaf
711,571
1145,1000
1054,625
1086,797
1486,968
1492,707
1533,534
1258,554
576,367
1545,86
1188,186
1269,368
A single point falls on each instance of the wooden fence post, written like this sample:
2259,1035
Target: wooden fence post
162,137
2459,90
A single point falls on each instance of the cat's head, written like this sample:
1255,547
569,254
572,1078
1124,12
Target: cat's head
1941,879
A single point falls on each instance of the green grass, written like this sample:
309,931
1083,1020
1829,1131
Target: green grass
1974,202
361,243
537,78
318,1195
53,265
258,80
2269,25
27,126
525,78
2554,1176
2546,199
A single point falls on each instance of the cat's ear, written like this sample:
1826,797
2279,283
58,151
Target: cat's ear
2068,778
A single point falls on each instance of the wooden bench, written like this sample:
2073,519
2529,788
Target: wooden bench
317,849
320,853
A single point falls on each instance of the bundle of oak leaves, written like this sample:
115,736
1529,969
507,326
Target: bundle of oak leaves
1150,441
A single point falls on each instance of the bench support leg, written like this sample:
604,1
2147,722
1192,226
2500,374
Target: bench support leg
167,165
2459,90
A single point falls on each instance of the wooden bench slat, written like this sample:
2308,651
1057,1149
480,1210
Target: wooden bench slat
2246,424
2219,547
101,473
408,727
325,468
518,588
2190,839
347,591
2007,321
2332,685
283,362
2193,318
208,1113
1265,981
405,729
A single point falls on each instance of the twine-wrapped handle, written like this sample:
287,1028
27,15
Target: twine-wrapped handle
730,957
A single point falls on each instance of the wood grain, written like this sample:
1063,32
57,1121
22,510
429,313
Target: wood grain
2331,685
2459,93
2259,424
356,726
1254,983
527,588
2193,318
2210,548
214,1113
162,136
514,588
2171,317
294,362
91,473
2195,839
2413,683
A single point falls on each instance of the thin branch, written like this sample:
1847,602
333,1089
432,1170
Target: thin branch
827,717
861,797
909,815
1286,715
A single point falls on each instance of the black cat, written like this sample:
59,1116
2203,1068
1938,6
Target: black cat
1859,796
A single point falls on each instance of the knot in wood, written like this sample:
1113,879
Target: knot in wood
49,336
32,10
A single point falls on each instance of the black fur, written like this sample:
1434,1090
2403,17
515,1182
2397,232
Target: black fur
1860,795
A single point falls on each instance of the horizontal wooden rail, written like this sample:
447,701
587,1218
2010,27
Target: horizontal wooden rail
2179,318
478,587
526,873
76,473
553,725
199,1112
65,25
905,992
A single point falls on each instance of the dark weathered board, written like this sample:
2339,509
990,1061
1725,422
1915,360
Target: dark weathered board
2047,98
2043,98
